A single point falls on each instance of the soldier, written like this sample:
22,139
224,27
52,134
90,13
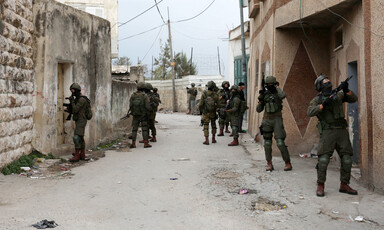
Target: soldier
158,96
192,98
139,106
208,105
79,105
243,106
333,133
233,112
271,100
154,103
224,95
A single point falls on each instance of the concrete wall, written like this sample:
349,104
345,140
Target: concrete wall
121,93
297,58
16,79
80,44
166,92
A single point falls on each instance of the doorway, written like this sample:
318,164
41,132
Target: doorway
353,112
64,78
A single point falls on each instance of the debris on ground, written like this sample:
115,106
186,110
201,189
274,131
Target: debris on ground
173,178
335,212
243,191
181,159
45,224
359,218
265,205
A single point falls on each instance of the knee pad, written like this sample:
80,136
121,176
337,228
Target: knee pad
280,142
346,163
323,161
268,142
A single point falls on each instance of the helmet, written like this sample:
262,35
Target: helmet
75,86
148,86
211,85
155,89
193,84
270,80
141,85
224,83
235,87
319,81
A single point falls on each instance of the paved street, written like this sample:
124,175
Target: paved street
133,190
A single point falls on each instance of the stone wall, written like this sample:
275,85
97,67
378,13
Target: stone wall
16,79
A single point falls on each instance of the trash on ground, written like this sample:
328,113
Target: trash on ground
355,202
350,217
64,168
173,178
45,224
119,182
242,192
335,212
25,169
301,197
34,177
359,218
181,159
89,150
41,160
303,155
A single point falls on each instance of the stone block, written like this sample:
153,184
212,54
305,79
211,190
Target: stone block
3,86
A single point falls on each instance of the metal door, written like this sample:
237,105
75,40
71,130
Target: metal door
353,112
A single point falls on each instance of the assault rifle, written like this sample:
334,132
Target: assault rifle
339,88
262,90
126,116
68,109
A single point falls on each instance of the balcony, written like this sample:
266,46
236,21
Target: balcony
254,8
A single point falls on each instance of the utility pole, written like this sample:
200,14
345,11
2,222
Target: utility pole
152,69
244,57
190,62
172,64
218,57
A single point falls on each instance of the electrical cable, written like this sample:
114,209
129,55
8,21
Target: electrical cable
203,39
161,28
188,19
141,33
159,12
122,24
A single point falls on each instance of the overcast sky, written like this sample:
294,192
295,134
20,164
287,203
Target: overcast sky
204,33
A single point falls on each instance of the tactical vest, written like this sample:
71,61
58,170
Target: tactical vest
332,116
138,104
225,95
209,102
272,103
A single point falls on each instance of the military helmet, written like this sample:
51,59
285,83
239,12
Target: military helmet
235,87
193,84
141,85
319,82
270,80
224,83
148,86
75,86
211,85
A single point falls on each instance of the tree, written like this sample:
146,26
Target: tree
184,67
123,61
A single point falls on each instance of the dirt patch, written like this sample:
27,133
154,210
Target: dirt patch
227,175
266,205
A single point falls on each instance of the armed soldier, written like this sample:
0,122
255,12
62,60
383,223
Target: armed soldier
243,106
208,106
328,107
233,112
81,114
154,103
224,95
139,106
192,98
158,96
271,101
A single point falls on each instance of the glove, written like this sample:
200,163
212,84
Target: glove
344,86
327,102
261,98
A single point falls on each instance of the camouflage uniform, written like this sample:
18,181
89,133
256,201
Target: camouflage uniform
333,133
209,111
224,95
192,98
233,113
272,104
154,103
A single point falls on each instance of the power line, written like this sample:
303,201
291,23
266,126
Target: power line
122,24
141,33
159,12
161,28
204,39
184,20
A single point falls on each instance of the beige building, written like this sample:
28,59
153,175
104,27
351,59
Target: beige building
107,9
297,40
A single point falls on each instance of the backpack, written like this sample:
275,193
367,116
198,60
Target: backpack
137,105
88,109
209,102
243,106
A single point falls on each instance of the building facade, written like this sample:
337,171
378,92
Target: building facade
107,9
296,41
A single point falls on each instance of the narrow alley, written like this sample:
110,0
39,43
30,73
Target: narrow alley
134,190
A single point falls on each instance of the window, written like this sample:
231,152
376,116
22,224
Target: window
339,37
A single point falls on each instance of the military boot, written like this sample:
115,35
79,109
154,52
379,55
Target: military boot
146,144
76,158
288,166
213,139
153,139
206,142
344,188
221,133
226,129
189,111
269,166
82,155
231,135
235,142
141,142
320,189
133,145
